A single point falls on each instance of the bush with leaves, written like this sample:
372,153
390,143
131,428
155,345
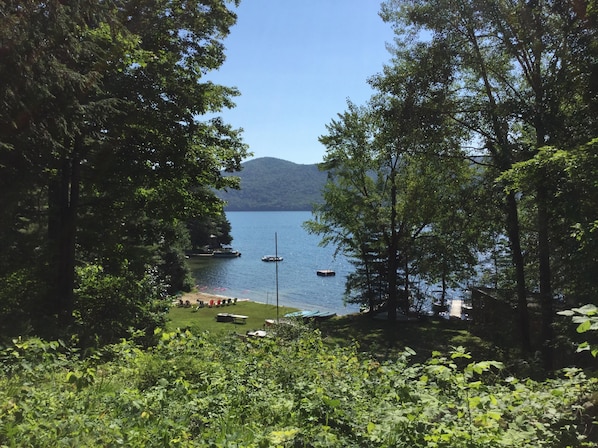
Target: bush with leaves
108,307
586,318
19,297
200,390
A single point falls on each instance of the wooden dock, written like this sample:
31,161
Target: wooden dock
456,310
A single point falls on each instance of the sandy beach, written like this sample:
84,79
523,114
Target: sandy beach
195,296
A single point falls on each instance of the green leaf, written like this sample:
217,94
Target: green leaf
371,427
584,326
588,310
72,377
494,415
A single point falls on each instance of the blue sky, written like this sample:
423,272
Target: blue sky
296,62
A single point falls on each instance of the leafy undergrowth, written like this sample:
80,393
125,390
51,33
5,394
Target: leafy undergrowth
200,390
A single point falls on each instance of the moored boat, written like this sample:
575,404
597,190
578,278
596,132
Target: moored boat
325,272
271,258
226,253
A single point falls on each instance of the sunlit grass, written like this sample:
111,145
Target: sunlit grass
382,339
204,319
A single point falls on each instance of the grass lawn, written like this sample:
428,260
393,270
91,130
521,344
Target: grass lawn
204,319
380,338
386,340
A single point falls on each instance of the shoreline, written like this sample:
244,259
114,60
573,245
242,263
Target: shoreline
195,296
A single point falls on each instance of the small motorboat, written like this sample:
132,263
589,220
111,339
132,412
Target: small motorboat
226,253
325,273
271,258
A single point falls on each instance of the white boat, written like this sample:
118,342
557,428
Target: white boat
271,258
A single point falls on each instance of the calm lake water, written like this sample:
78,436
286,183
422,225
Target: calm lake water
249,277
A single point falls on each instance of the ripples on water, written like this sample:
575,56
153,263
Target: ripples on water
250,277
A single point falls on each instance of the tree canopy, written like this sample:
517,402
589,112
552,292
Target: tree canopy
105,150
474,97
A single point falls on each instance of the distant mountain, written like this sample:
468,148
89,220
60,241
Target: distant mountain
270,184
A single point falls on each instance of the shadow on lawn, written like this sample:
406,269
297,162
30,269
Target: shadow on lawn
385,340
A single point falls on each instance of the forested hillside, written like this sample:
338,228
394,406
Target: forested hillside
269,184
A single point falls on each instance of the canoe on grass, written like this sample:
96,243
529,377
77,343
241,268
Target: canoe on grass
311,315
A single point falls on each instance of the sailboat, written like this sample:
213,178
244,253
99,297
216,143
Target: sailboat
276,259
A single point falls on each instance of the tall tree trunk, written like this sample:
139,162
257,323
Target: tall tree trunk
406,303
444,288
369,278
546,300
503,158
518,262
63,202
541,128
56,195
392,254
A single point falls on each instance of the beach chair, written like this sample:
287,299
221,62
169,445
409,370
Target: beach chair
211,303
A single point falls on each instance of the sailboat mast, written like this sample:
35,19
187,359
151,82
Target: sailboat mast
276,262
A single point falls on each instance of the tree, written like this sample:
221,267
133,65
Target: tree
435,180
394,166
348,217
572,171
53,53
460,28
523,71
103,106
209,232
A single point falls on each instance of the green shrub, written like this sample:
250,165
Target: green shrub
205,391
108,307
19,299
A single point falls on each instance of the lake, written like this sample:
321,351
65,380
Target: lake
248,277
